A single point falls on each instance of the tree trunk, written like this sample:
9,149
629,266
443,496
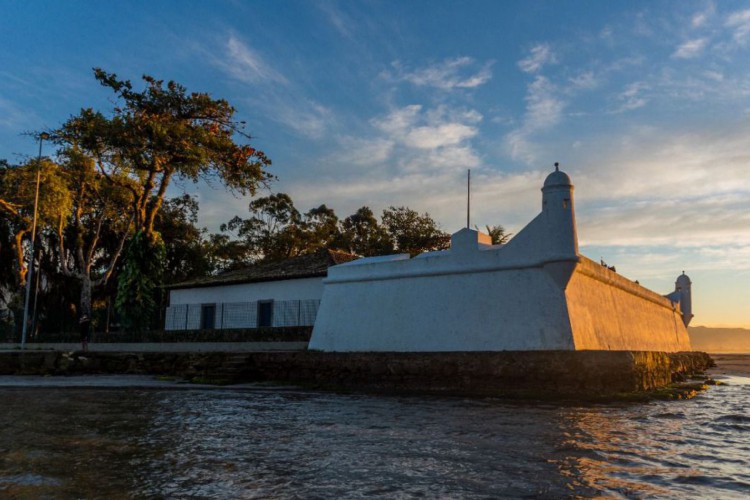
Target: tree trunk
85,295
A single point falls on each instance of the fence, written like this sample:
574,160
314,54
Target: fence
236,315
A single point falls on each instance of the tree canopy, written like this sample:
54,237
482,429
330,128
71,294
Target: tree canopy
159,133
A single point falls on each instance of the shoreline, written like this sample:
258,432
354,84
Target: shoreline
730,364
508,374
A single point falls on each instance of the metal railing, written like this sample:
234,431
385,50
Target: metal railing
240,315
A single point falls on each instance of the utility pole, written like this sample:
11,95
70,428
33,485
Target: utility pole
468,200
29,274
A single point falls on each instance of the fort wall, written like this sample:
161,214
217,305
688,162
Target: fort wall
610,312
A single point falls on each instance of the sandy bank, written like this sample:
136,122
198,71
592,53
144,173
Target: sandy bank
731,364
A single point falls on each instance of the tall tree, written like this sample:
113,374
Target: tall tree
362,235
160,133
413,233
100,214
17,194
185,245
273,230
153,136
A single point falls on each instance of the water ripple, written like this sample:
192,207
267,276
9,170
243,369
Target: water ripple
137,443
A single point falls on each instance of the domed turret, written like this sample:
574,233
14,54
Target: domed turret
682,287
557,205
557,178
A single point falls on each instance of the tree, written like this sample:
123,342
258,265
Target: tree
362,235
273,231
99,215
319,229
154,135
160,133
413,233
17,193
186,251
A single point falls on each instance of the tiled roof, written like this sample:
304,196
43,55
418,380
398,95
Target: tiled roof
305,266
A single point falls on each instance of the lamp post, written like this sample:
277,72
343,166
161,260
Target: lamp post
42,136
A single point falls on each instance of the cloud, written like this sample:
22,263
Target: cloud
700,18
679,190
428,141
364,152
342,23
543,111
690,49
245,64
739,22
540,55
278,97
411,155
460,72
15,117
304,116
632,97
585,80
439,128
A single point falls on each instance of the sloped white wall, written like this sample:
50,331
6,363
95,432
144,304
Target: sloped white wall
484,311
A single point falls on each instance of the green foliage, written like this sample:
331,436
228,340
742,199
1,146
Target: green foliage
413,233
138,281
362,235
497,234
276,231
186,253
163,132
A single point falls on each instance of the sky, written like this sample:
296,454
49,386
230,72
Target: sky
646,105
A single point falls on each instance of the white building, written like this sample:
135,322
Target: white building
534,293
274,294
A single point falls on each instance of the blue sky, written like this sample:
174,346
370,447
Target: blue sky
645,104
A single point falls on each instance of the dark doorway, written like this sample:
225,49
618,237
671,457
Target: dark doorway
208,316
265,313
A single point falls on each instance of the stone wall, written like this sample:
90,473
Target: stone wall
610,312
535,374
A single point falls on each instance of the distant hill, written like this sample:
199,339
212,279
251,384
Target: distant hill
709,339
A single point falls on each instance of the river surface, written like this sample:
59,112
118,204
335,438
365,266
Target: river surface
126,437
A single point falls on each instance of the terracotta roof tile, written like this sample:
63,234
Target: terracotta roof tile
305,266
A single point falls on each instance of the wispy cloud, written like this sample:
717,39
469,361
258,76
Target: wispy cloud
413,155
739,22
586,80
539,55
666,188
276,95
306,117
690,49
632,97
247,65
700,18
543,110
340,21
443,128
15,117
460,72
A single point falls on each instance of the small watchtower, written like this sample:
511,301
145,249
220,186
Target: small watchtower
559,208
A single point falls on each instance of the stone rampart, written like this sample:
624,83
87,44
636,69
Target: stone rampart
530,374
610,312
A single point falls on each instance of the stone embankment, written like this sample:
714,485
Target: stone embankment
543,374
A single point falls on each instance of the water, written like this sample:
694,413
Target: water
164,441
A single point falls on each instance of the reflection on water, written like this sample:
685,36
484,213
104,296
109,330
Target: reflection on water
225,443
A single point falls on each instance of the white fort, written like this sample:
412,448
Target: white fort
534,293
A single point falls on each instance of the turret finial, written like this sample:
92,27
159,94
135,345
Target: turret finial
557,166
